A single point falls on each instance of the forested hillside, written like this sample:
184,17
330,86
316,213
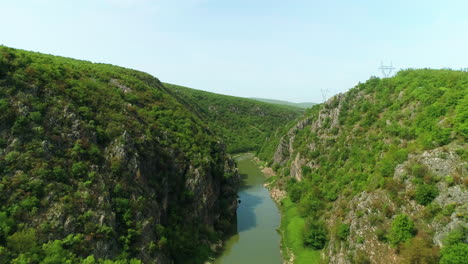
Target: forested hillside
280,102
380,174
99,162
244,124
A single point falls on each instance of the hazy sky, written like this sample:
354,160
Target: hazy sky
285,49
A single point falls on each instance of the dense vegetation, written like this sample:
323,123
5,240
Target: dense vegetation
350,147
244,124
100,164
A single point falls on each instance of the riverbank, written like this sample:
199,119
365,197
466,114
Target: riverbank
292,224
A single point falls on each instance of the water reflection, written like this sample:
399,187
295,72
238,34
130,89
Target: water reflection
258,218
247,209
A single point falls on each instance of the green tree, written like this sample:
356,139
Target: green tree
23,241
402,229
89,260
455,254
419,249
56,254
455,249
425,193
6,225
343,231
315,234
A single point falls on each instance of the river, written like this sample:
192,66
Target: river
257,240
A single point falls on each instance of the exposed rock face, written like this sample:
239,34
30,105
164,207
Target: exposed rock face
296,167
285,147
328,116
372,211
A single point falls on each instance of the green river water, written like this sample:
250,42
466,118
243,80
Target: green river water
257,240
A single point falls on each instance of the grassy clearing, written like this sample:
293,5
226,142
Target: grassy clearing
291,228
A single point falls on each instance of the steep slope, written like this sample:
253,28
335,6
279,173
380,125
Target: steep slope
303,105
101,162
244,124
380,173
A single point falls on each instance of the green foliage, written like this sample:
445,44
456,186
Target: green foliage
361,258
418,170
244,124
89,260
419,249
315,234
455,248
22,241
6,225
292,226
402,229
382,235
286,103
310,206
294,190
343,231
425,193
454,254
79,169
56,254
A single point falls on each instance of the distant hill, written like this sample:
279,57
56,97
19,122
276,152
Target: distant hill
303,105
243,124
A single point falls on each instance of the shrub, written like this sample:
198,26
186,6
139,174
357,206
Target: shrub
419,250
455,249
79,169
402,229
309,205
457,235
22,241
56,254
454,254
343,231
35,117
425,193
381,234
361,257
431,211
6,225
418,170
315,234
294,189
20,126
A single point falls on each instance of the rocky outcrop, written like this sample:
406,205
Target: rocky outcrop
373,211
327,119
285,147
296,167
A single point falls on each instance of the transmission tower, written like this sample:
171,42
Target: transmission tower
324,94
386,69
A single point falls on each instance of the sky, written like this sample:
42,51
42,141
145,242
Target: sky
280,49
